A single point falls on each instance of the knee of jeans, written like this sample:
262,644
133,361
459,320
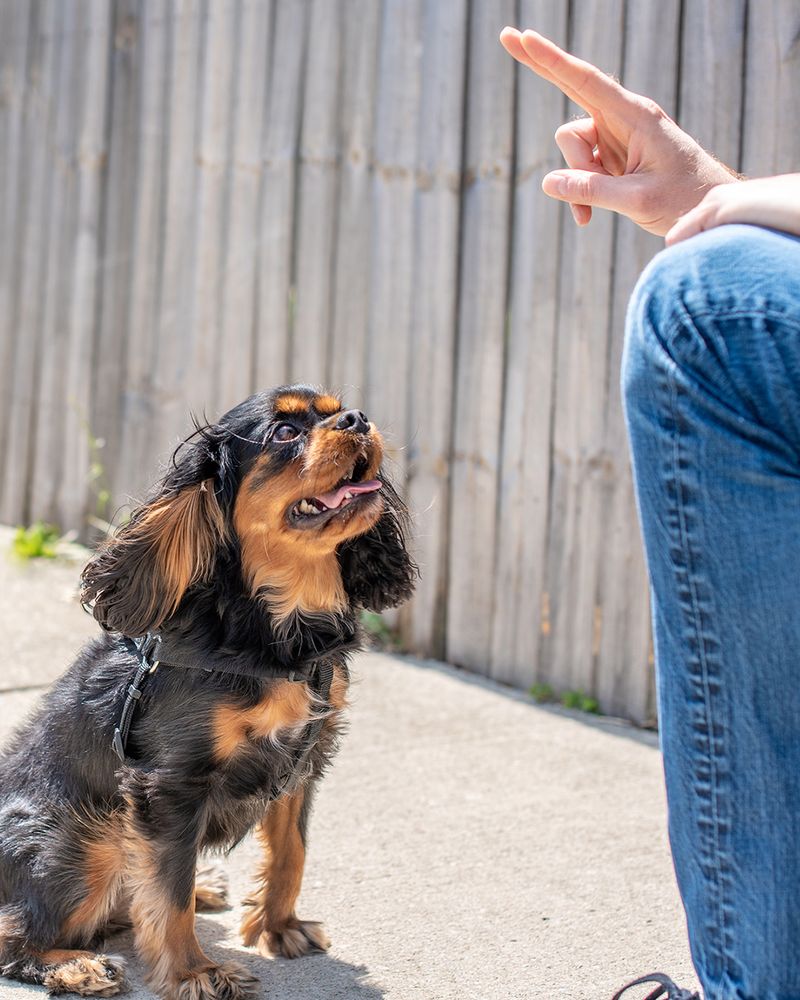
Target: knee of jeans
670,314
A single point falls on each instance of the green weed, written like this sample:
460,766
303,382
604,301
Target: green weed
36,542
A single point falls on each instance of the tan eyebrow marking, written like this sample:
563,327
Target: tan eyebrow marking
292,405
326,406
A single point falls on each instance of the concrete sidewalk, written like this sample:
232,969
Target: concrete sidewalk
466,845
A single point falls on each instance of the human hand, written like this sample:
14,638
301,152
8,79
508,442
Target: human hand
766,201
628,156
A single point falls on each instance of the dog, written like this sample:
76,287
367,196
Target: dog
211,704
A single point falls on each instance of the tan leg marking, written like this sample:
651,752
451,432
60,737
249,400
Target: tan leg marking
165,938
104,867
272,925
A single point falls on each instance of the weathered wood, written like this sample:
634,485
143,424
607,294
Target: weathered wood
712,74
84,273
392,252
528,382
216,87
276,244
579,463
623,677
60,229
771,143
35,196
238,321
433,316
198,199
181,379
360,40
14,47
482,323
136,465
316,208
108,374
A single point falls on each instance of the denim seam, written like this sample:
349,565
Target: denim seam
704,732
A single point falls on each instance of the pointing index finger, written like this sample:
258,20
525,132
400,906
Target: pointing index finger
582,82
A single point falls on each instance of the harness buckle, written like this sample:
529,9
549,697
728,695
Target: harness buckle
148,649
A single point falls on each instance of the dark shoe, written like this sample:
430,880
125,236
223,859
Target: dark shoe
666,990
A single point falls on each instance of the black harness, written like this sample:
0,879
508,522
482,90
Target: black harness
151,650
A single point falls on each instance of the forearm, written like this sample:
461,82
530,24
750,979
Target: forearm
771,202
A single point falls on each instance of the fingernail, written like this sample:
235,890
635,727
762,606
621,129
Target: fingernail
554,184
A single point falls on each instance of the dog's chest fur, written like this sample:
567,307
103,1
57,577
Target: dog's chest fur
266,749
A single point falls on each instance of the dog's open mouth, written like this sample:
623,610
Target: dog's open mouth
316,510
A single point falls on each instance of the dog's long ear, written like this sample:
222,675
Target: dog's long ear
377,570
137,579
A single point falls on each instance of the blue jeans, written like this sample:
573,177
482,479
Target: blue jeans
711,384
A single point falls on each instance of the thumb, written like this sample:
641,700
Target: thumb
587,187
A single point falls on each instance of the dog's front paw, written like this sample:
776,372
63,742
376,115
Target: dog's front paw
229,981
297,938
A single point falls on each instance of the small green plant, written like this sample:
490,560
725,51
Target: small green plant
378,632
36,542
542,693
580,701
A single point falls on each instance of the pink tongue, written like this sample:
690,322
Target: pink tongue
335,497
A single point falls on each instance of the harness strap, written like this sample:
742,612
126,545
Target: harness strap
170,653
149,651
143,652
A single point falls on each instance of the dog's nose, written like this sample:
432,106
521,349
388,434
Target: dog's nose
353,420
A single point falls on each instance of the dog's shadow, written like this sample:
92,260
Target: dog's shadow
315,977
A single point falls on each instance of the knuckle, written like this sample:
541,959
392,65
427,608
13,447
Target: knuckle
585,187
652,109
642,199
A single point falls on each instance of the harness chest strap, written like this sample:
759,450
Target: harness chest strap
149,651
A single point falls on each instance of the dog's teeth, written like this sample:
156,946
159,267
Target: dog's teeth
306,508
348,495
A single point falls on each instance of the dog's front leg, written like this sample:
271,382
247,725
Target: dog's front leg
272,925
162,839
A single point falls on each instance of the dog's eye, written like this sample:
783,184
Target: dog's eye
285,432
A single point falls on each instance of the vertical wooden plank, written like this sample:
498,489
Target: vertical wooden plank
176,366
396,118
712,75
237,327
84,272
529,375
134,468
433,316
213,152
360,41
14,48
53,389
624,680
31,241
317,184
483,317
771,143
580,467
119,219
276,242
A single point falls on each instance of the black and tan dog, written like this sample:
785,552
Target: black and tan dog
243,574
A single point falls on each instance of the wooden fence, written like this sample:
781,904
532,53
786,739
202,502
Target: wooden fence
198,199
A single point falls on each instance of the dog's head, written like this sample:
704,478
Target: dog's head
289,484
